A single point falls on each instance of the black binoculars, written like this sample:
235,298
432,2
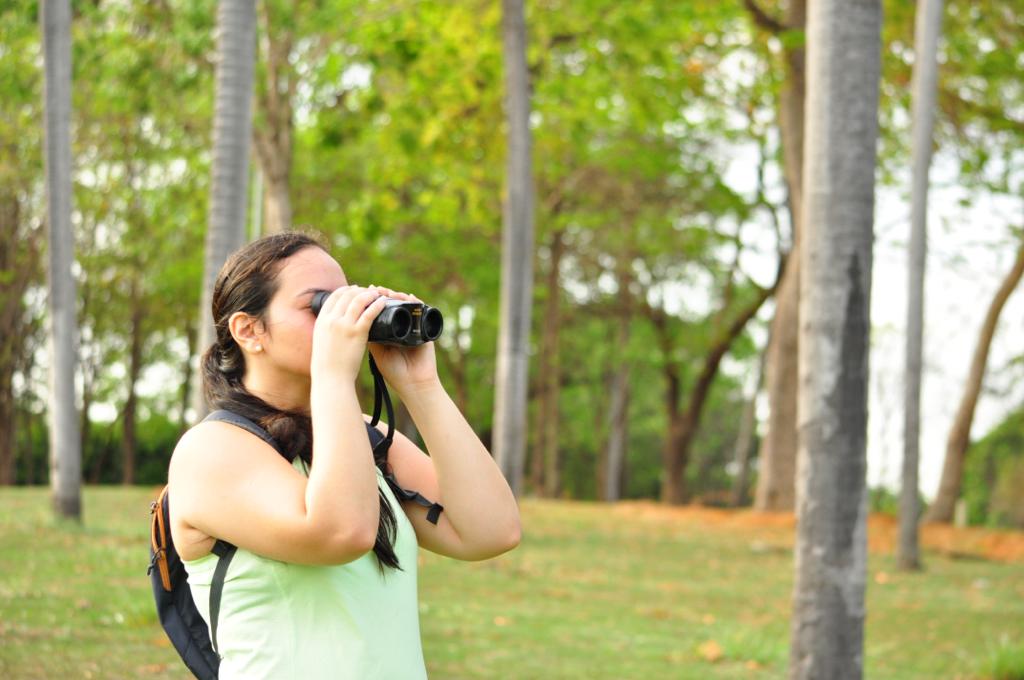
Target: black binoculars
399,323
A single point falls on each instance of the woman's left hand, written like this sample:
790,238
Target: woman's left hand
405,368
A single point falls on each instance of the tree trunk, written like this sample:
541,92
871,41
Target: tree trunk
618,416
128,443
929,22
10,312
89,367
509,438
28,422
458,368
672,491
96,465
777,457
22,419
844,57
28,452
777,468
255,228
8,424
226,222
277,203
618,410
455,360
65,445
741,453
544,469
186,374
959,434
85,423
792,100
272,133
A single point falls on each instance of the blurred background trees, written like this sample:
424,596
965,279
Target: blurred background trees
664,178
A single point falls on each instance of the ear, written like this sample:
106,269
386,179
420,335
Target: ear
248,331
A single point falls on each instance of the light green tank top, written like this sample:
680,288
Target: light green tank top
346,621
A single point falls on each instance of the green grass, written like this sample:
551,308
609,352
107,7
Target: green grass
592,593
1006,661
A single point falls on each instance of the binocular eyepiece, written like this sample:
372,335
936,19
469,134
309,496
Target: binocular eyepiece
399,323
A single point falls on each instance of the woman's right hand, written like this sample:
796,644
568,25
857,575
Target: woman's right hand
341,331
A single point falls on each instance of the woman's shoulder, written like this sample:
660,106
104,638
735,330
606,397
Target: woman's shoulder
217,444
204,434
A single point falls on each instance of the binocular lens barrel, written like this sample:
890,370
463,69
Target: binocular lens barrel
317,303
399,323
431,324
392,324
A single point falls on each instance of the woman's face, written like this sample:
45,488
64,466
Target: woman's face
288,340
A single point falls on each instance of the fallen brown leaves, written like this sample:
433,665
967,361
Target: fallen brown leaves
1003,545
710,651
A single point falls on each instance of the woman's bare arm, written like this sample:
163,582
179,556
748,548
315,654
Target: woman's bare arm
478,503
229,484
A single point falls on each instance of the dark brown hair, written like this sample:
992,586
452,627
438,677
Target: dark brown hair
246,283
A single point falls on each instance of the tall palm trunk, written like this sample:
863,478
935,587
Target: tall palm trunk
236,48
509,439
928,23
959,434
65,444
844,62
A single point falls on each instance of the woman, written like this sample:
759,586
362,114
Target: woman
324,580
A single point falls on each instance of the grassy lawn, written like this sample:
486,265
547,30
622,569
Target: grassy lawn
592,592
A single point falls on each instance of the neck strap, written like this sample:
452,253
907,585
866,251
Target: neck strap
380,394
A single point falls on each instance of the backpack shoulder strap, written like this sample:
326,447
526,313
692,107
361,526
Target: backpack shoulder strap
159,538
176,609
224,551
433,509
249,426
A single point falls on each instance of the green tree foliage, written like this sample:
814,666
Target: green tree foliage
994,475
979,121
397,155
142,101
145,189
21,232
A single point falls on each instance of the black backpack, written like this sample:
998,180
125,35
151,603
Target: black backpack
195,643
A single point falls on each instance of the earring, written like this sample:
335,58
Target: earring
258,348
